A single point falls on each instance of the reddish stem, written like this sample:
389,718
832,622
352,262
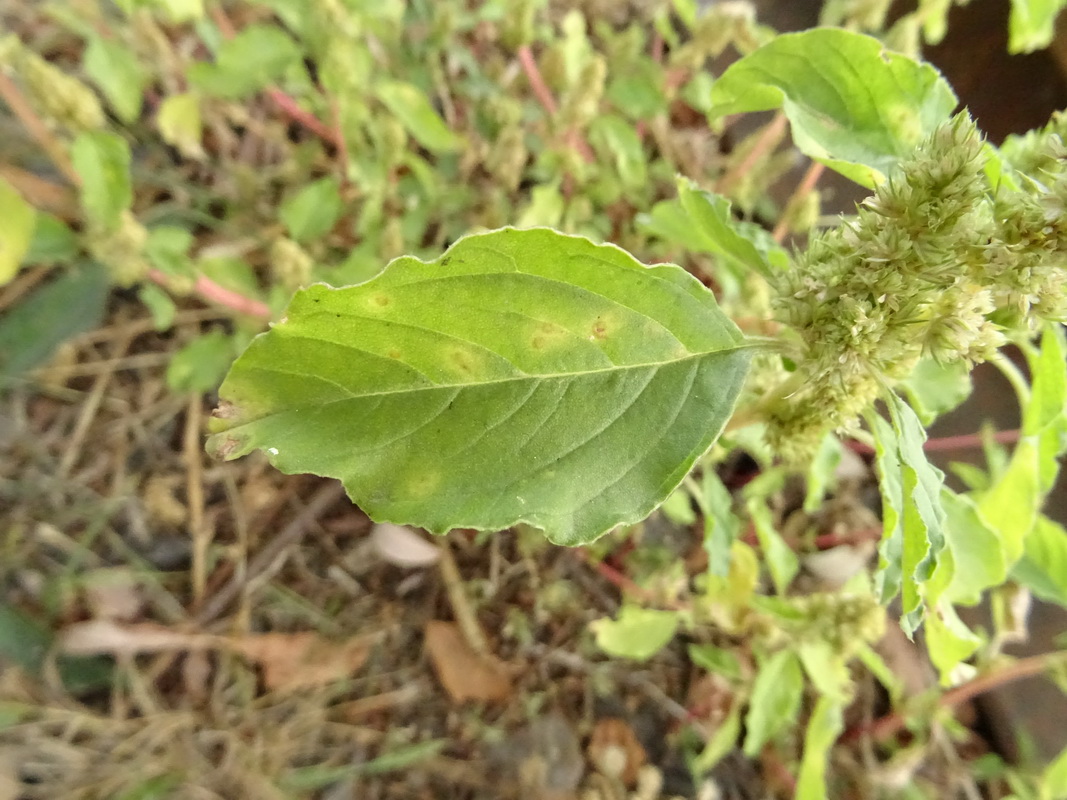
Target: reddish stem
220,295
882,729
963,441
284,102
807,183
545,98
765,144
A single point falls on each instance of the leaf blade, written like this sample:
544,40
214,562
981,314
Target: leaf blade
571,386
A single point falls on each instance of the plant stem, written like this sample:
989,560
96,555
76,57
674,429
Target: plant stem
882,729
547,101
963,441
220,295
806,185
767,141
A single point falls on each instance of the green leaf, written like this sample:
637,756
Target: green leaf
720,743
781,561
546,207
821,472
523,376
1043,567
949,641
1032,24
1054,780
25,642
977,561
619,139
678,507
168,247
113,67
638,90
852,105
411,106
102,161
180,123
1011,507
716,660
201,364
743,247
313,211
18,219
1044,415
253,59
721,525
825,725
638,633
912,513
775,700
53,241
32,330
934,389
159,304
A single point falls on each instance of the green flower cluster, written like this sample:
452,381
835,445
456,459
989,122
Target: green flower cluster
954,253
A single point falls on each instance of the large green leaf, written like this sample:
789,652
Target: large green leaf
522,376
851,103
1032,24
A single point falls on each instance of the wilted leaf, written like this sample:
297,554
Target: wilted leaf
465,674
523,376
302,660
638,633
852,104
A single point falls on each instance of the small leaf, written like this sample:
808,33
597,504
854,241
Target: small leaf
721,525
775,700
113,67
825,725
977,554
781,561
18,219
200,365
622,143
32,330
949,641
159,304
250,61
1043,567
851,104
1054,780
180,125
102,161
637,91
743,247
167,248
638,633
1011,507
524,376
53,241
411,106
935,389
1032,24
312,211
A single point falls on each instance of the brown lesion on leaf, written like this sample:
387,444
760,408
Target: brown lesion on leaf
223,446
381,300
600,329
225,410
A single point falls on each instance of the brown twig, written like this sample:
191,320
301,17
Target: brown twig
807,183
199,533
37,128
765,144
882,729
457,598
268,560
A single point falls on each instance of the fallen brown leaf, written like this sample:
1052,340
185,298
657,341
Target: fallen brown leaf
615,751
302,660
289,660
464,674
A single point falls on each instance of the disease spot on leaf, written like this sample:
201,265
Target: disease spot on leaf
379,301
423,483
600,329
227,446
225,410
394,354
538,342
463,361
446,260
